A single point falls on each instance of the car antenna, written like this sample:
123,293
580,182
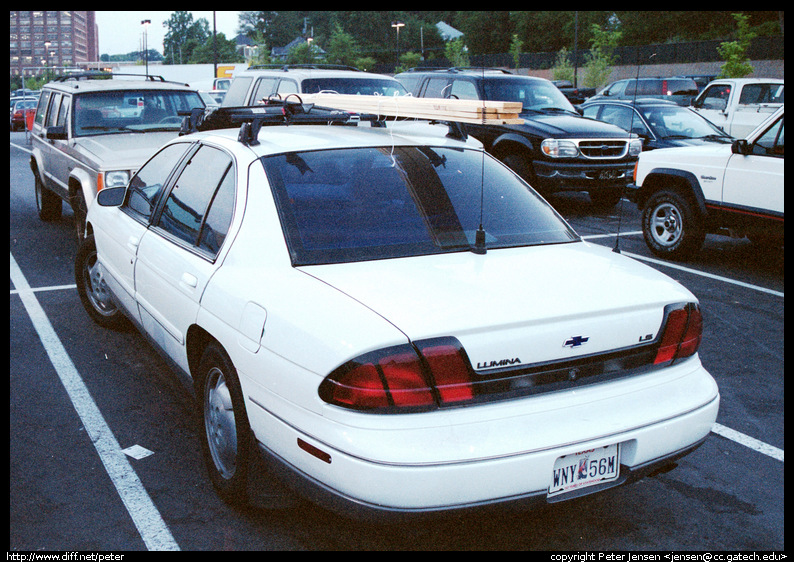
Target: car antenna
479,235
634,110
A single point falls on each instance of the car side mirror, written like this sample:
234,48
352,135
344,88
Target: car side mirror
741,146
111,196
56,133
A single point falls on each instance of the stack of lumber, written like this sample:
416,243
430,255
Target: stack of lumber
439,109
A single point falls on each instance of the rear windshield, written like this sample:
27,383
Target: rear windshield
374,203
356,86
121,111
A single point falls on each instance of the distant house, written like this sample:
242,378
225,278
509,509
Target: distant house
281,53
447,32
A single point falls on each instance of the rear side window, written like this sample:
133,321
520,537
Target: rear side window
41,110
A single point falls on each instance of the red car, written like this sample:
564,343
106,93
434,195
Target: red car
18,112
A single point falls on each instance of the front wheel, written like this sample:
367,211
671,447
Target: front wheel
225,431
94,294
671,226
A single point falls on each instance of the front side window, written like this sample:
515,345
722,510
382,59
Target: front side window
41,110
147,184
534,94
375,203
353,86
205,188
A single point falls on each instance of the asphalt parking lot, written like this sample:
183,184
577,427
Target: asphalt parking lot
104,450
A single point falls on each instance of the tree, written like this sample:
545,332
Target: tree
225,48
515,50
734,53
457,53
562,69
183,36
342,47
601,56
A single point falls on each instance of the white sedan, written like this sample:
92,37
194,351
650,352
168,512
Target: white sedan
395,320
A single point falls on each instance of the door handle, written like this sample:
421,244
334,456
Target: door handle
189,280
132,243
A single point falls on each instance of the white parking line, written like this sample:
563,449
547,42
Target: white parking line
748,441
682,268
147,519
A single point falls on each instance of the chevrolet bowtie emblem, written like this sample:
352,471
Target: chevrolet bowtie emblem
575,341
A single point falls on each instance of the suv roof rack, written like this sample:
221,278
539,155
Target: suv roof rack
458,69
110,76
308,66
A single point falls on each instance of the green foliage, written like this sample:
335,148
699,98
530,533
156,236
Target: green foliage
601,56
408,60
515,50
562,69
456,53
734,53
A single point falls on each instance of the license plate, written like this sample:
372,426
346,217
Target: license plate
609,174
584,469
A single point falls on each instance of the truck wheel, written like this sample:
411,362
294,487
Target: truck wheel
48,204
670,225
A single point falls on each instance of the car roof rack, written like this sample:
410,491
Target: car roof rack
336,109
455,69
251,119
110,76
305,66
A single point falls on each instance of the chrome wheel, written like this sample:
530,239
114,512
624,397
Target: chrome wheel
95,287
666,224
219,423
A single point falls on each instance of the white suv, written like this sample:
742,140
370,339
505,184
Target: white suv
258,83
685,193
93,131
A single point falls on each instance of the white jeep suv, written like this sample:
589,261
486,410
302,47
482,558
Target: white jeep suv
685,193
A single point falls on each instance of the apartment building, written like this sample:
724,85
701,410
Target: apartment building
46,39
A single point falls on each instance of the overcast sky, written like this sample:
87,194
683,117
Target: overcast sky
121,32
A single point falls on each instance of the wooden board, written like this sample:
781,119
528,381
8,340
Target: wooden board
441,109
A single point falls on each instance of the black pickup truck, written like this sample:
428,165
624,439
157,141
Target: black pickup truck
574,95
555,149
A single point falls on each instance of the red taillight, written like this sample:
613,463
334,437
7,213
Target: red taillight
398,377
681,333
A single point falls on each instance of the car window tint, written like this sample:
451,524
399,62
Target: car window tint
436,88
63,112
771,142
464,90
219,217
147,185
374,203
189,199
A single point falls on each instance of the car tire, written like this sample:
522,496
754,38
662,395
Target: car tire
93,292
48,204
225,430
671,225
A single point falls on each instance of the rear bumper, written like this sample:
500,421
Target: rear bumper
383,486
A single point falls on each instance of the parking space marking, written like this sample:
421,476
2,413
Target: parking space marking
51,288
22,148
683,268
748,441
145,516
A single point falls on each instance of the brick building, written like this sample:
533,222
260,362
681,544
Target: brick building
52,39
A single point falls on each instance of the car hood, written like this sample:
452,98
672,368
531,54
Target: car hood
565,125
521,305
124,151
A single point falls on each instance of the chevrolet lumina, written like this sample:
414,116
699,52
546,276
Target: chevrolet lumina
394,319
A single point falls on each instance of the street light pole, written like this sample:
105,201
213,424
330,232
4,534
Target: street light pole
145,24
397,25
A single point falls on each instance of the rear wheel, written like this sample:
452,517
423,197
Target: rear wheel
225,431
48,204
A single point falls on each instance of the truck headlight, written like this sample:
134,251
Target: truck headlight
635,147
559,148
117,178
